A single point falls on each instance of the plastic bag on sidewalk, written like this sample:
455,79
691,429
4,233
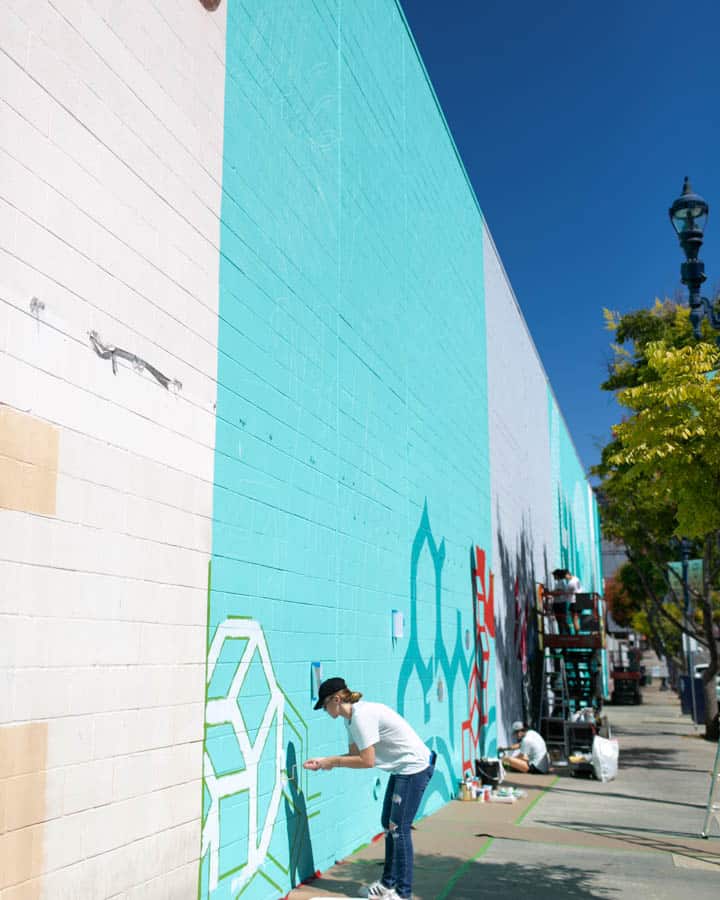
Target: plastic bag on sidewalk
604,758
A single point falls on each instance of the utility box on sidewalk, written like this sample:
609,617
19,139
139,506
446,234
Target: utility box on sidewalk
686,701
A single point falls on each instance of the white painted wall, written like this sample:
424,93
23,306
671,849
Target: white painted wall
111,118
522,494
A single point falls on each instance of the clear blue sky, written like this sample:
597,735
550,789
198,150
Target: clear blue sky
576,122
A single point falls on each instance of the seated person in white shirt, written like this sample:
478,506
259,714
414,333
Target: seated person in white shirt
530,751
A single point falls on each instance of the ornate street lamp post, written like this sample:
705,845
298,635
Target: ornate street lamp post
688,215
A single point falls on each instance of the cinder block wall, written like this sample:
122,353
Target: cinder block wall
543,510
264,204
111,126
351,359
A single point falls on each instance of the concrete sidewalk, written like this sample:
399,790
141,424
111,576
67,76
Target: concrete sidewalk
635,837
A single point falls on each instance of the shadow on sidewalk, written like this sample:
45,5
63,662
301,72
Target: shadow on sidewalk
609,792
439,877
652,838
484,878
645,757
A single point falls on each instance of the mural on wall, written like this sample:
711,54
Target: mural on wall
517,632
575,512
243,737
479,731
572,553
470,663
324,409
426,668
248,770
301,864
465,667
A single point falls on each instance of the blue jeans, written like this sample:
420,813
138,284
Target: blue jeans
402,799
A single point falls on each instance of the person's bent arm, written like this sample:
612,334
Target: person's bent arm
363,759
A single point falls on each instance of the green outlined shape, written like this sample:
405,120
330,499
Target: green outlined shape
203,884
277,862
223,749
234,807
254,693
227,665
231,821
269,879
252,879
207,800
266,773
304,744
204,876
236,651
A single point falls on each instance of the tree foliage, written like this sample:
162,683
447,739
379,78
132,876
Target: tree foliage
661,471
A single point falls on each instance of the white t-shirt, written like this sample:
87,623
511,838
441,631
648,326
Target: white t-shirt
398,748
534,747
570,586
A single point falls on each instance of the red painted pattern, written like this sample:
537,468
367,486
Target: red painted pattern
484,600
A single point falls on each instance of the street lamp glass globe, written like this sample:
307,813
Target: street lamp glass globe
689,212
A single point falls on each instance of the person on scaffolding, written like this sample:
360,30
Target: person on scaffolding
529,752
567,586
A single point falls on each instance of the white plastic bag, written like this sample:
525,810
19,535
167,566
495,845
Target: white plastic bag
604,758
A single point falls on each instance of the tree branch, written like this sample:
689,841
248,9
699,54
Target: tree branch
658,605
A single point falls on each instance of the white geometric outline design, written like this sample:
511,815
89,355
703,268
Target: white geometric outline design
226,709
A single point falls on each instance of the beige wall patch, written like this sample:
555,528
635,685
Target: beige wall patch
23,760
28,462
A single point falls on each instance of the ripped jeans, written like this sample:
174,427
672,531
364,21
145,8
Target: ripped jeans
402,799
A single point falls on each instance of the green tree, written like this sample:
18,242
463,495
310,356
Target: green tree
661,471
638,611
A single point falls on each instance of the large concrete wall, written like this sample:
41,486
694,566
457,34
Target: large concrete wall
111,128
263,203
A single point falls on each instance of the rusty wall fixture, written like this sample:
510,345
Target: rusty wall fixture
210,5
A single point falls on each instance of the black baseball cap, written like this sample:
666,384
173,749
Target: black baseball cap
329,687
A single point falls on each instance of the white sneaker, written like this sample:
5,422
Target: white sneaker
378,889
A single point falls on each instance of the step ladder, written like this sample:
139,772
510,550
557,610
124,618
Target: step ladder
556,687
570,677
713,804
555,706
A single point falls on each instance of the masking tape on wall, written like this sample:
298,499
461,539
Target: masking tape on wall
23,761
28,463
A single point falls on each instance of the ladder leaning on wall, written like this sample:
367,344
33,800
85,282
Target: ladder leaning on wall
713,804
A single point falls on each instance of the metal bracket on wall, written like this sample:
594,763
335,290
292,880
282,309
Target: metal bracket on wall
108,351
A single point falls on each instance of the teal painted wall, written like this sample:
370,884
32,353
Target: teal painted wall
576,523
351,469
